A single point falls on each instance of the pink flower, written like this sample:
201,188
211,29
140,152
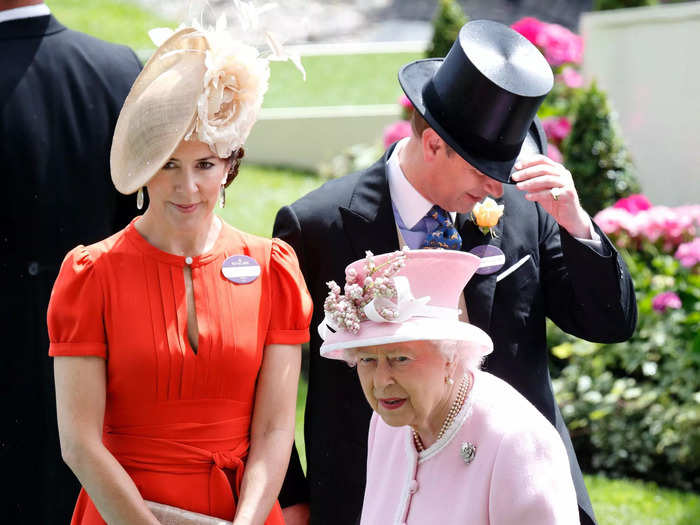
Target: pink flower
405,103
570,77
529,27
666,300
633,204
556,128
560,45
614,220
396,131
554,153
689,253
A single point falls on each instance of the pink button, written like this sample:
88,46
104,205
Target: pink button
413,486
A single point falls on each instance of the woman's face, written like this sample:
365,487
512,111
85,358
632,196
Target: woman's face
186,189
405,382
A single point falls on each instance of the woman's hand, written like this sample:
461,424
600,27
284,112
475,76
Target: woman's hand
80,406
271,433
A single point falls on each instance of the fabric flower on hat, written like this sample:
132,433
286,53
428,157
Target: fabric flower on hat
486,214
234,86
235,80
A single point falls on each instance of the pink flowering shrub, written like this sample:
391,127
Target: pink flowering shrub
558,44
632,223
554,153
688,253
666,300
634,203
405,102
529,27
396,131
646,386
556,128
570,77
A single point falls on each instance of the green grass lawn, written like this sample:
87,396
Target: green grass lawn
338,80
252,200
625,502
117,21
334,80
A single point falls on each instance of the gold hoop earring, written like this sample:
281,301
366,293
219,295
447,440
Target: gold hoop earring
222,196
139,199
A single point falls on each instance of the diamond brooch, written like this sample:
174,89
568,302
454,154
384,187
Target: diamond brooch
467,451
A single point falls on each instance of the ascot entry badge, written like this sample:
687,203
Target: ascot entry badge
492,259
240,269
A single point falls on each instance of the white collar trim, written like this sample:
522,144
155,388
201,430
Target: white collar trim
410,204
28,11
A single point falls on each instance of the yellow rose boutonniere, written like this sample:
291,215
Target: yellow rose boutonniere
486,215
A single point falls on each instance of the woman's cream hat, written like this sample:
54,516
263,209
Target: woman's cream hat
200,83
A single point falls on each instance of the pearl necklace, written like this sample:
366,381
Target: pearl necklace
451,415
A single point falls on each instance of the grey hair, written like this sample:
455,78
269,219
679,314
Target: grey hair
449,349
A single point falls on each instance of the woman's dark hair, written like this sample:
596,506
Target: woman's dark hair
235,160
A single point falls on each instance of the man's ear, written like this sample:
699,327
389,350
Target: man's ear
432,144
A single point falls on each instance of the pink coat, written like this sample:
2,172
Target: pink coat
519,474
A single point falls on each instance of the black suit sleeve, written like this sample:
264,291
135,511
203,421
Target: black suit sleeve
295,488
587,294
125,206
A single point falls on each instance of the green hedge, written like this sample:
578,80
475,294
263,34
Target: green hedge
633,408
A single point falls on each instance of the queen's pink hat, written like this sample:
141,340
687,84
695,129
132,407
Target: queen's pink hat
425,305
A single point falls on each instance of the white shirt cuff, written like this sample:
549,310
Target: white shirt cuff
595,241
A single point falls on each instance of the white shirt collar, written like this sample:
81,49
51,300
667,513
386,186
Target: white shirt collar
27,11
410,204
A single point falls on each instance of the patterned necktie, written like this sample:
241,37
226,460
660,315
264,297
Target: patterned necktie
445,235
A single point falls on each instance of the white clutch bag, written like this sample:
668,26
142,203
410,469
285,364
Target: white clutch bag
168,515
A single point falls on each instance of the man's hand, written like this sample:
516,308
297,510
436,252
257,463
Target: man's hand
551,184
297,514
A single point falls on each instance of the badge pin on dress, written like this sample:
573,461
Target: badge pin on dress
240,269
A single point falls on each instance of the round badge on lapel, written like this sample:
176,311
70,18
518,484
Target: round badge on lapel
492,258
240,269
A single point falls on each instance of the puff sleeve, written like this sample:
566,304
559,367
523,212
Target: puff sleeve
76,309
291,303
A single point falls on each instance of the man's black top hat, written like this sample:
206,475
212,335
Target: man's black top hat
483,96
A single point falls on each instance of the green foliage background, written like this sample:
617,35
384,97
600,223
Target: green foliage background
633,408
449,19
596,153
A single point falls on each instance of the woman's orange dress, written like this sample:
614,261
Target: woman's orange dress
178,421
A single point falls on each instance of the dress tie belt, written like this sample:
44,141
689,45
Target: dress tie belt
177,457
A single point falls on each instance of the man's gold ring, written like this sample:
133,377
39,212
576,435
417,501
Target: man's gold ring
555,193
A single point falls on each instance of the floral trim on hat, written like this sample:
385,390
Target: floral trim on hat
346,312
235,80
